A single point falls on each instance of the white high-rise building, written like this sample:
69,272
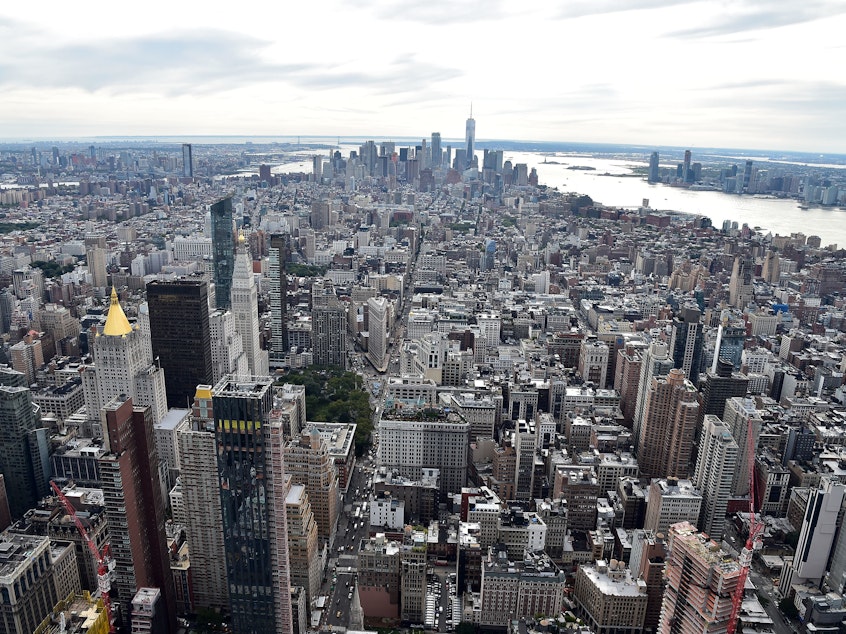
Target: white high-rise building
715,470
816,536
377,346
201,504
228,356
244,306
123,365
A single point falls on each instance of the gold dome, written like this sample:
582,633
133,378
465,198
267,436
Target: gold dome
117,325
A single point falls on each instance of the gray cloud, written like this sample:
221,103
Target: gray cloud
757,15
582,8
435,12
738,16
404,74
193,62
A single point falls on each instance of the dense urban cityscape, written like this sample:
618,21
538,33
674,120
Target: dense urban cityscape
266,386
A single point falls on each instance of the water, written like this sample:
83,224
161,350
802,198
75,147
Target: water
776,215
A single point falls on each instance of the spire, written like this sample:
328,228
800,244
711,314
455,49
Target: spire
117,325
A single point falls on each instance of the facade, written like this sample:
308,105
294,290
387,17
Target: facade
742,419
669,424
518,589
223,250
251,467
279,346
33,575
308,461
187,160
686,343
201,504
816,536
470,140
411,440
716,467
413,577
656,363
227,346
148,614
593,361
701,579
135,507
379,580
181,336
329,330
610,599
244,307
377,326
23,445
387,512
123,364
647,562
303,552
671,501
721,385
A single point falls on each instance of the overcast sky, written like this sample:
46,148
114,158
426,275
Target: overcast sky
763,74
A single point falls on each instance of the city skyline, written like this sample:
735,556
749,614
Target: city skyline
658,72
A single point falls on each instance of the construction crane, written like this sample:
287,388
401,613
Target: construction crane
753,541
104,562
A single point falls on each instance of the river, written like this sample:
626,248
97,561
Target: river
777,215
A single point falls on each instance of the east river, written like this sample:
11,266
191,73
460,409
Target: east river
776,215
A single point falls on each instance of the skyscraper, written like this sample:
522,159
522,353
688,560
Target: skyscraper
135,506
816,536
123,365
377,326
437,153
201,499
720,386
23,444
308,461
656,363
244,306
654,175
715,470
742,418
279,249
95,259
329,327
251,470
181,336
687,175
187,160
687,341
223,250
701,579
740,285
470,139
669,424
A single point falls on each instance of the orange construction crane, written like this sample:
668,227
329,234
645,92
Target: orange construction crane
753,542
104,573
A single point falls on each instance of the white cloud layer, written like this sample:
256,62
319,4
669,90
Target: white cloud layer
748,73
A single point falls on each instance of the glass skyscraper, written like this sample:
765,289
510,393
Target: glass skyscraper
250,463
223,250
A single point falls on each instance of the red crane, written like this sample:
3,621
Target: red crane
104,575
753,542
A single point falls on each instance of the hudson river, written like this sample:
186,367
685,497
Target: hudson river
777,215
782,216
